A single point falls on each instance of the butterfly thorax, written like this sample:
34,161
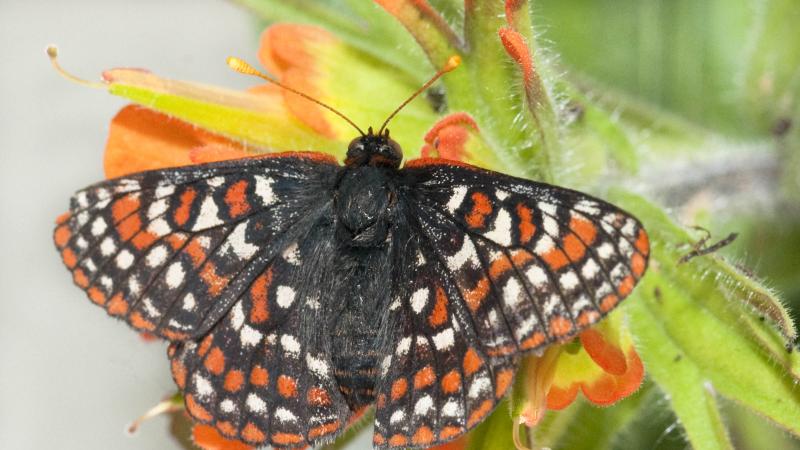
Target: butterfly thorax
363,205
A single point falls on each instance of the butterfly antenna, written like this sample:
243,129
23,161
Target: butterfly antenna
452,62
52,53
243,67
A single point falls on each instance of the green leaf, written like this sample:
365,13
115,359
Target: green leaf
692,339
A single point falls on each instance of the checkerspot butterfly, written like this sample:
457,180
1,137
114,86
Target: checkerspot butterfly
296,292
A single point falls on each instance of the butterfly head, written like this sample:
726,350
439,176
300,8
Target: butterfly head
374,150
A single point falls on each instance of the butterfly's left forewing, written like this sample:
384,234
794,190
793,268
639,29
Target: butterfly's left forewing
170,250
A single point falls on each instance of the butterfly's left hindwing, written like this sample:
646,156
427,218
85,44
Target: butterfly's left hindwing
263,375
170,250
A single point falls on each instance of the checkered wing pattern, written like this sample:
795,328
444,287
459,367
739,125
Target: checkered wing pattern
263,375
170,251
493,266
532,263
436,379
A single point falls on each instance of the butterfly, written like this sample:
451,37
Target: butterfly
295,292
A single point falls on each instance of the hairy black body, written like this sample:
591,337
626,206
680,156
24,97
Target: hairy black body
365,209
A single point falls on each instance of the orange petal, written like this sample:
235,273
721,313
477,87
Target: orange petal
458,444
559,398
607,355
215,152
141,139
290,52
449,137
208,438
610,389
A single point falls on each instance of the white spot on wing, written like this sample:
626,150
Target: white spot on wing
512,292
208,216
290,345
188,302
202,385
605,251
264,189
250,336
99,226
423,405
227,406
237,316
629,227
444,340
317,365
285,296
175,275
590,269
551,226
124,259
466,254
216,181
544,245
397,416
292,254
256,404
133,285
237,243
458,196
159,227
537,276
284,415
452,409
501,230
569,281
164,190
156,256
588,207
419,299
157,209
403,345
385,364
479,385
548,208
107,247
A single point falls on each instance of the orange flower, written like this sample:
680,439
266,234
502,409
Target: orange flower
602,363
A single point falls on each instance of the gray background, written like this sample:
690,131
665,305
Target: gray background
70,377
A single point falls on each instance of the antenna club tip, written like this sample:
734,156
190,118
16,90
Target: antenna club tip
239,65
52,51
452,62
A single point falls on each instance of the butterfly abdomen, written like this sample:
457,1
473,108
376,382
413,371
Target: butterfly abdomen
354,360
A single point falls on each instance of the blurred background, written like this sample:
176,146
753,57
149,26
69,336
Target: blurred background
72,379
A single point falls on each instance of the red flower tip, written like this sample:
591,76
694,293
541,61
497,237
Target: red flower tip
512,8
448,137
517,48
